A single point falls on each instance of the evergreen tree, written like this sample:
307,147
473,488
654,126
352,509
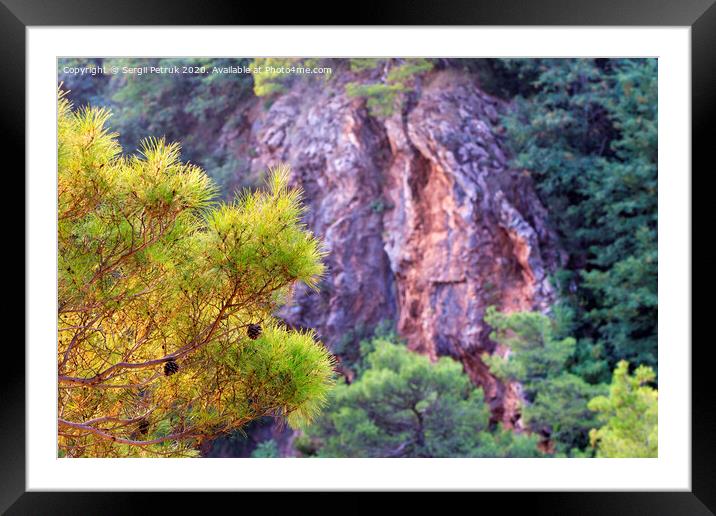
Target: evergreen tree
555,399
586,129
157,287
402,405
629,414
397,79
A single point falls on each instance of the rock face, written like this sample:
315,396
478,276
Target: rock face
425,223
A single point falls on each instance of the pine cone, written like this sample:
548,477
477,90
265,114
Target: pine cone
143,427
170,367
254,331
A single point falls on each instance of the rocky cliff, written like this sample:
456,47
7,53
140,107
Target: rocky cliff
425,223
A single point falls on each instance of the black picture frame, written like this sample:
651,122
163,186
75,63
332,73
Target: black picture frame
700,15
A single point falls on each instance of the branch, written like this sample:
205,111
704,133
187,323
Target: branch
123,422
103,376
110,437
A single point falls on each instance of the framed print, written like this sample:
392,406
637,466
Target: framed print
438,249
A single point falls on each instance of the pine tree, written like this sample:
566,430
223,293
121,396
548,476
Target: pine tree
402,405
398,78
157,287
555,400
629,414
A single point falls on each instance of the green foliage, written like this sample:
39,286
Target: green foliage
361,64
507,444
266,450
590,362
399,77
305,446
402,405
535,355
272,75
629,415
587,130
152,269
385,330
556,400
267,79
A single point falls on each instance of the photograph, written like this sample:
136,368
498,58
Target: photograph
357,257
